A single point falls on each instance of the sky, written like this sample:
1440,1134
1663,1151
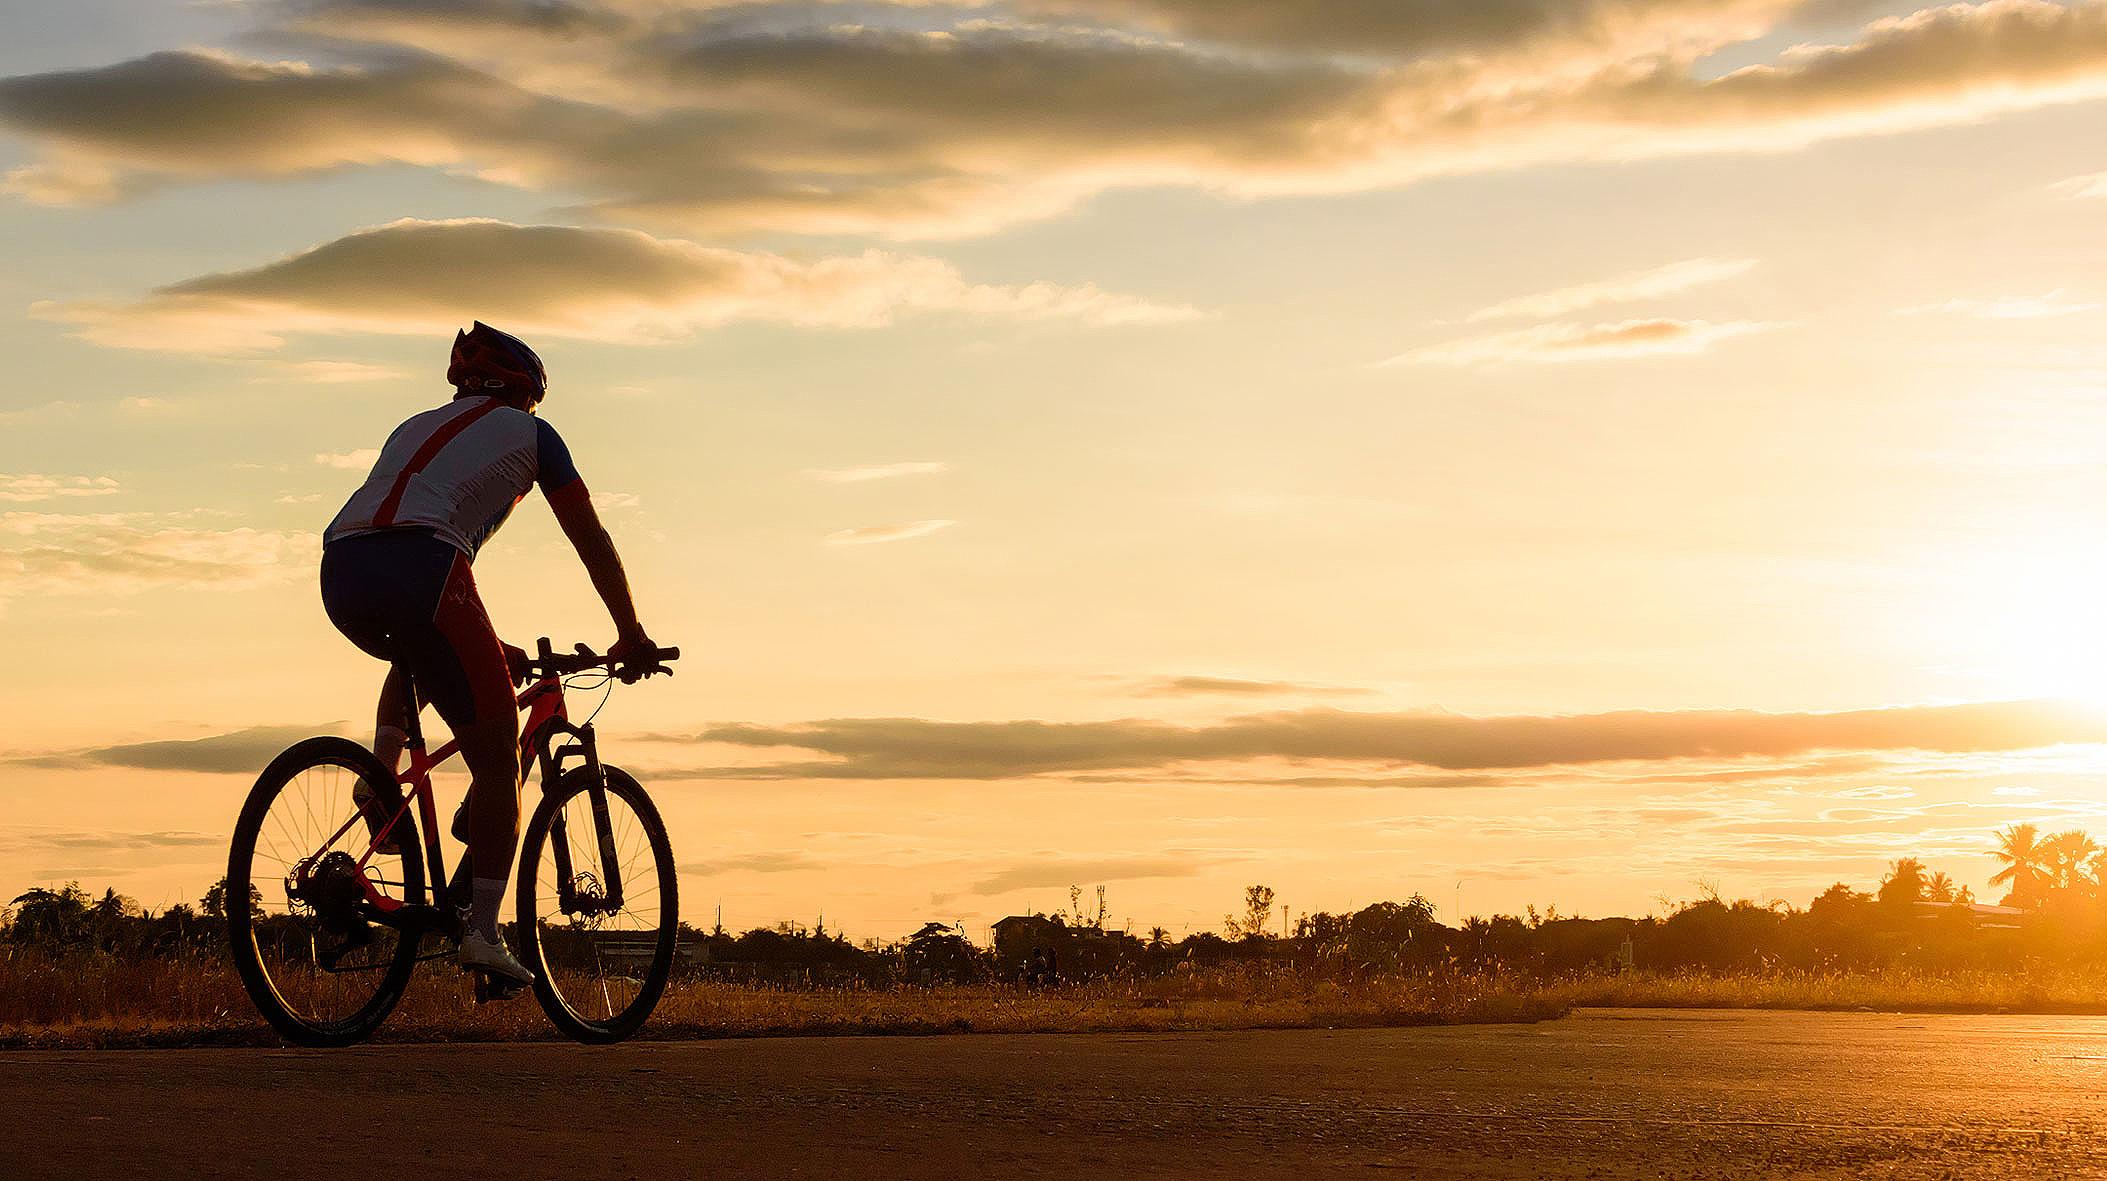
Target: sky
1573,452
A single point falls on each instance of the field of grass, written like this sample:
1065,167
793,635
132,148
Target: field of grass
97,1001
93,1001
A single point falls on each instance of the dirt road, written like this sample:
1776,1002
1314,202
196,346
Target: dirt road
1602,1094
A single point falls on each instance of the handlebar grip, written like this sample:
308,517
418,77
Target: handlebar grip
667,654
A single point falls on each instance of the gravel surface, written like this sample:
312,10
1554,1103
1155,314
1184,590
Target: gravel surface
1605,1093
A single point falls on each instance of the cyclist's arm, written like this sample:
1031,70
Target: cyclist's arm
573,506
581,523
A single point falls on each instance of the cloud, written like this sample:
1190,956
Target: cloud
325,372
243,752
1064,872
350,461
2008,307
127,553
936,121
29,488
1416,28
239,752
752,863
422,277
1670,279
883,471
2082,187
46,840
1195,685
878,534
914,748
1555,343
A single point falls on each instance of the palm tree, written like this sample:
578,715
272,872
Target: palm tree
1158,936
2020,848
1939,888
2067,854
1905,881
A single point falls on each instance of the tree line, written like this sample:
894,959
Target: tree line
2054,910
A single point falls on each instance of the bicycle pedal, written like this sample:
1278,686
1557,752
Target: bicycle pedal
490,988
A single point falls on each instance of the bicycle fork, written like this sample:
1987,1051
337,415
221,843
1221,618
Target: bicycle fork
607,899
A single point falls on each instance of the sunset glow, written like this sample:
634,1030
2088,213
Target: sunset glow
1165,444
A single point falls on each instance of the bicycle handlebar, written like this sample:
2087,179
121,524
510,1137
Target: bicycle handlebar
547,663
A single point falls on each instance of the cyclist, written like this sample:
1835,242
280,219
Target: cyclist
396,580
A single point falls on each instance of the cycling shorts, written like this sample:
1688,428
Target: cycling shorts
408,598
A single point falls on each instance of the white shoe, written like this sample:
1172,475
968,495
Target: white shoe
483,955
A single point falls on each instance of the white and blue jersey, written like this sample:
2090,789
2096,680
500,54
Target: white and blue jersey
457,471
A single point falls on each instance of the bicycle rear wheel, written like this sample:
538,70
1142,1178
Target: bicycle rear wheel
308,937
599,968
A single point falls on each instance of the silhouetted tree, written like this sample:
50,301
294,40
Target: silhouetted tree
2020,848
2067,854
1258,914
53,919
214,903
938,954
1904,883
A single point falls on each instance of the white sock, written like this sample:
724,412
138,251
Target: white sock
489,899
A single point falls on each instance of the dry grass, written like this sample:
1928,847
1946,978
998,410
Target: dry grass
93,1001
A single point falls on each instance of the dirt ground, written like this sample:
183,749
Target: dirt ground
1611,1094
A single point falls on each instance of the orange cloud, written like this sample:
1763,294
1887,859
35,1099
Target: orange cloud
423,277
879,534
127,553
785,118
1552,343
1671,279
914,748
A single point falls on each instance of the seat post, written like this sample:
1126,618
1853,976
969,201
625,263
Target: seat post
411,726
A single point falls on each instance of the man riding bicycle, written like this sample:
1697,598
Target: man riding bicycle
396,580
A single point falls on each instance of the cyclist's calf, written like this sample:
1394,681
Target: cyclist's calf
490,746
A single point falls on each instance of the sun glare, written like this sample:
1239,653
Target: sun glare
2041,623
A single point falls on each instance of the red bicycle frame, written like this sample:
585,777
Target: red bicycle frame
542,703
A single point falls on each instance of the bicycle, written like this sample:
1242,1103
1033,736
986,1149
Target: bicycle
328,912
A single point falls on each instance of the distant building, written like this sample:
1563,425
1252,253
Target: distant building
1985,915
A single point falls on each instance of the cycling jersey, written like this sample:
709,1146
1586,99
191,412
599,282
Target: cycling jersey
457,471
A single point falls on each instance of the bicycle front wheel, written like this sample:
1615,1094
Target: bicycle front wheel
600,960
314,913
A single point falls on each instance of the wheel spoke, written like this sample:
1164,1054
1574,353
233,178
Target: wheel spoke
605,968
323,964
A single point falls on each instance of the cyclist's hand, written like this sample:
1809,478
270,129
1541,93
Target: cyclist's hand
516,663
631,647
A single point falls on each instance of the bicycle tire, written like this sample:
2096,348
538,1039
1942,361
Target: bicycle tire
391,971
555,996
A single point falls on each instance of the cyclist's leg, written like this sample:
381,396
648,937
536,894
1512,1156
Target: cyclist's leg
471,688
361,592
391,719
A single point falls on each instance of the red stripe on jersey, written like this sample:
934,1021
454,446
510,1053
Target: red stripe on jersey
437,442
